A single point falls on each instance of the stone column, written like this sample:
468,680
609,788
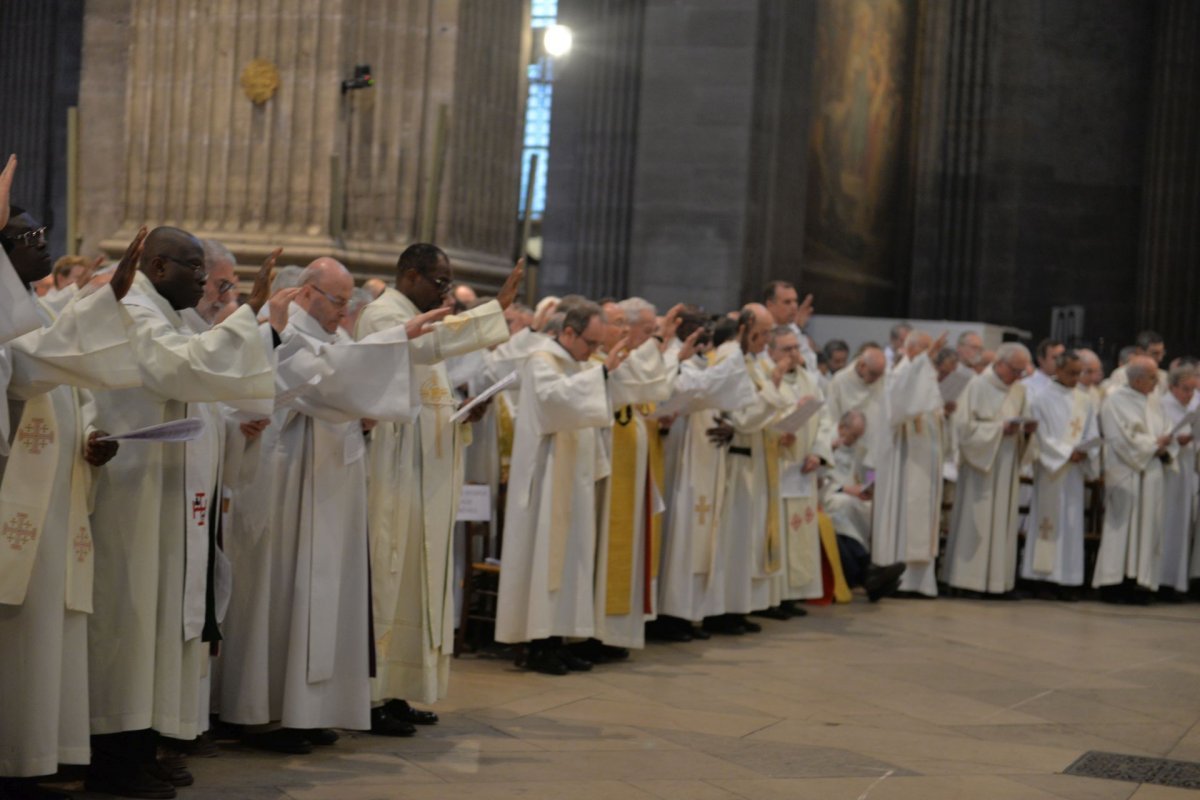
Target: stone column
314,170
593,144
1169,257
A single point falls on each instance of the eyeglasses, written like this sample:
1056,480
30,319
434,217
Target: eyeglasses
441,284
33,238
193,267
337,302
226,286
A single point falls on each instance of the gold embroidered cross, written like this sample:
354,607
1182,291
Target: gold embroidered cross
433,393
1076,426
19,531
796,521
35,435
1046,528
702,508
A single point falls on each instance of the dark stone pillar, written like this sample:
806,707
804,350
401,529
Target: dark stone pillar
1169,258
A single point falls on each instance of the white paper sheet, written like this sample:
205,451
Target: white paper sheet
475,503
1090,444
1188,420
953,384
181,430
487,394
804,411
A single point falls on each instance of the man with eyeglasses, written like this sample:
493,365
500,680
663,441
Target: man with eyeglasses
416,475
996,441
298,638
549,558
47,464
147,638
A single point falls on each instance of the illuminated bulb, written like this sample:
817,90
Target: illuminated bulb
557,40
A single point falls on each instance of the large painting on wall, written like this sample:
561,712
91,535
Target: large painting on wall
861,96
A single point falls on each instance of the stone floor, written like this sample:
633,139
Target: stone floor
905,699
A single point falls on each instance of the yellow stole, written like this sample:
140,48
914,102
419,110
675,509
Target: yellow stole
504,433
773,559
622,500
841,589
657,468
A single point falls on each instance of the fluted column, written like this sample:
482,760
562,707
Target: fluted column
313,169
1170,240
953,52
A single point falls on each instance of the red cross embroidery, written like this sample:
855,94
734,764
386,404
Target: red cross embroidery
35,435
19,531
200,509
83,545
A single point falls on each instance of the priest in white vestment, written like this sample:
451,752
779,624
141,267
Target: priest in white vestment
145,660
782,301
1047,353
1068,438
309,670
549,560
995,440
1138,450
859,387
908,469
846,495
749,550
1180,484
801,454
415,476
46,566
707,386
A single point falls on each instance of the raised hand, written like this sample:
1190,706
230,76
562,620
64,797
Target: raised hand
670,323
422,324
89,272
804,312
6,181
689,345
278,308
508,292
938,344
618,355
122,277
261,291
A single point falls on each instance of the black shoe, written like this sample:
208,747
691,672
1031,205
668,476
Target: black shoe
173,772
878,578
321,736
202,746
747,625
400,709
384,724
27,789
125,781
546,662
597,652
884,591
699,634
573,662
725,624
1068,594
1169,595
775,612
793,608
280,740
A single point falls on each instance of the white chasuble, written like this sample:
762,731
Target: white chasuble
297,641
695,476
910,451
749,552
43,621
1180,485
415,478
799,495
549,557
1054,542
143,673
981,551
1131,541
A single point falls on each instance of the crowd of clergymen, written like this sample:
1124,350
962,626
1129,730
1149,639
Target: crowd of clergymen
288,564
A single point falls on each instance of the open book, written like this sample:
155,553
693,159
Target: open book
487,394
803,412
953,384
180,430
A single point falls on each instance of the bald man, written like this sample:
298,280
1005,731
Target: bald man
749,545
146,636
298,639
1138,449
859,387
995,440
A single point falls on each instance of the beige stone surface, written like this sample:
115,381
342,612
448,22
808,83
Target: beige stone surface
906,699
